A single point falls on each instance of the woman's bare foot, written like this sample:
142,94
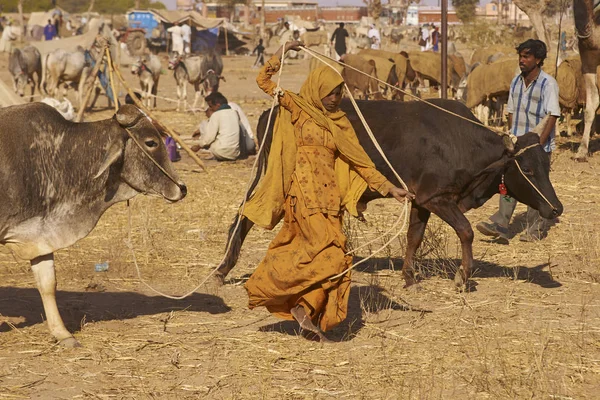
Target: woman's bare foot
305,323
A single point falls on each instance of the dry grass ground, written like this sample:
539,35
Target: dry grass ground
531,329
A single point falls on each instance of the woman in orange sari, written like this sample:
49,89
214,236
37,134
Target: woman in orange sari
316,169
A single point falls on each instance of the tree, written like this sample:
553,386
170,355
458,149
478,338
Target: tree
373,8
536,10
465,9
230,6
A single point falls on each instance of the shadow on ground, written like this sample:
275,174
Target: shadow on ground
363,299
26,303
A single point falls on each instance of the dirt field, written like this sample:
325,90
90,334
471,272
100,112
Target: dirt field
531,329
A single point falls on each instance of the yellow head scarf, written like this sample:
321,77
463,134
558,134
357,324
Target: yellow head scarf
265,207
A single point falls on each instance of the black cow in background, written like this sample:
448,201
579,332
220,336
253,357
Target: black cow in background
451,164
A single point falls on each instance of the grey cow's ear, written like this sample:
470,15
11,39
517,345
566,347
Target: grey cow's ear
128,115
112,155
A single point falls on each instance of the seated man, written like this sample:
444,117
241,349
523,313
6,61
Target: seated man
221,133
245,131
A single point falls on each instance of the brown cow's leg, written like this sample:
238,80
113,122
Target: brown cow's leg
450,213
418,221
45,277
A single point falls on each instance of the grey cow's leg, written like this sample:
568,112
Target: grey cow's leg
45,278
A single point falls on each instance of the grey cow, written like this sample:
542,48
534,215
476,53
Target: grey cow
22,64
59,177
203,71
147,68
61,67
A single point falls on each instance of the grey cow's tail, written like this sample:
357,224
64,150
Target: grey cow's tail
44,73
238,231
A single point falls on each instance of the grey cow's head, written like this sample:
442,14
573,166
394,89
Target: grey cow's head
535,165
139,65
21,80
174,59
133,153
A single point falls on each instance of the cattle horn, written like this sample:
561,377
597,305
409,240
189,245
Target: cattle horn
508,142
541,126
128,115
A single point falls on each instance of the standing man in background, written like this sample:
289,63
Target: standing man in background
533,95
339,36
176,39
186,34
49,31
375,37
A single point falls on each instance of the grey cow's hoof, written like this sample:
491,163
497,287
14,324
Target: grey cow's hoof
70,343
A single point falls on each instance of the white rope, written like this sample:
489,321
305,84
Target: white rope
405,210
241,210
417,98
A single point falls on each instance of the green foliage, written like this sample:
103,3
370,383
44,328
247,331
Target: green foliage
465,9
11,6
78,6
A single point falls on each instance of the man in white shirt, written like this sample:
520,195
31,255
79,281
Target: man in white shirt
375,37
251,142
424,42
186,34
176,38
220,134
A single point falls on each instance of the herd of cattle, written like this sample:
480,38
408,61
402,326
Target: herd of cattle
61,69
65,184
482,83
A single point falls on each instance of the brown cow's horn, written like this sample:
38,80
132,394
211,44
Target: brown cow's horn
540,127
508,143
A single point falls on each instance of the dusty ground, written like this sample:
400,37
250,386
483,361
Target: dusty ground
531,329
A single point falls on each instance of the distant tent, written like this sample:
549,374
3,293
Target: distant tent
205,39
205,31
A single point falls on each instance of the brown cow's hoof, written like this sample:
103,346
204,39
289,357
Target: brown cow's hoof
410,282
218,279
580,159
70,343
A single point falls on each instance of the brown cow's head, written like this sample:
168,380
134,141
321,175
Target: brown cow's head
534,163
138,152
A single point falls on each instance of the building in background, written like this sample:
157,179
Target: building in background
185,5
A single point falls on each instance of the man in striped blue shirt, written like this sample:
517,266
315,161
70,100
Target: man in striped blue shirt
533,95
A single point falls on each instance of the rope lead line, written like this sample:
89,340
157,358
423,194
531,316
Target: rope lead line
241,210
321,56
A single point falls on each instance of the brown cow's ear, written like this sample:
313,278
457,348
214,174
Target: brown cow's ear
128,115
112,155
